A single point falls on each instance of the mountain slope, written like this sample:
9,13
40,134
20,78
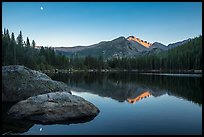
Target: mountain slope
119,47
174,45
190,54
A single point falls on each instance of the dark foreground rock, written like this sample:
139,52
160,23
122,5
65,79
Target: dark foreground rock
19,83
54,108
11,125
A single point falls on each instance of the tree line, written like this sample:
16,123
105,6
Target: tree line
17,51
185,57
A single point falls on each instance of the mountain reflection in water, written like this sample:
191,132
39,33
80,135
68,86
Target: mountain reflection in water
165,105
145,94
131,86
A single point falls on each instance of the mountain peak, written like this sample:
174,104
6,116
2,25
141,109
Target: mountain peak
142,42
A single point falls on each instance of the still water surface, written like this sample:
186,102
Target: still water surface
131,103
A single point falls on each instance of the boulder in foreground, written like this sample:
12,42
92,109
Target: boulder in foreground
19,83
54,108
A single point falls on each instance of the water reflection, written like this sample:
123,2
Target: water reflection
144,95
176,116
131,86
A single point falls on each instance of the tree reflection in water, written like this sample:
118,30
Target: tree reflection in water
127,85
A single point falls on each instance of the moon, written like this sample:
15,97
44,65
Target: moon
41,8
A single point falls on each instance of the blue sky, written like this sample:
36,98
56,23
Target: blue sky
86,23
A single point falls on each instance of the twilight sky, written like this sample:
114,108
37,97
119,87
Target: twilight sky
85,23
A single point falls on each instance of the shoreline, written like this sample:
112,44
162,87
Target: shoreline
152,72
175,74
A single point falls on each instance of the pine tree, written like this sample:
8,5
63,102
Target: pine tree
33,44
13,44
19,49
27,42
7,46
20,39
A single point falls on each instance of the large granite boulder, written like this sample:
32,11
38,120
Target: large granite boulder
54,108
19,83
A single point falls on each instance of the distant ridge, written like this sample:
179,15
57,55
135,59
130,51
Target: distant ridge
119,47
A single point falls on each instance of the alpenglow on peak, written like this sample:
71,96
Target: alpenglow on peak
142,42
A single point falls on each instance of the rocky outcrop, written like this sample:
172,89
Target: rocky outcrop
19,83
54,108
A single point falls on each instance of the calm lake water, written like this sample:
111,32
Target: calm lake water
129,103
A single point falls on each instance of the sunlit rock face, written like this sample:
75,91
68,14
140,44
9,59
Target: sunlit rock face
142,42
54,108
19,83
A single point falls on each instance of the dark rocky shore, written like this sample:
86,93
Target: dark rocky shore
39,98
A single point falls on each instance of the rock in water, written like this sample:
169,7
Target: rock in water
53,108
19,83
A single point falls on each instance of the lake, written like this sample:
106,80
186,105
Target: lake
129,103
